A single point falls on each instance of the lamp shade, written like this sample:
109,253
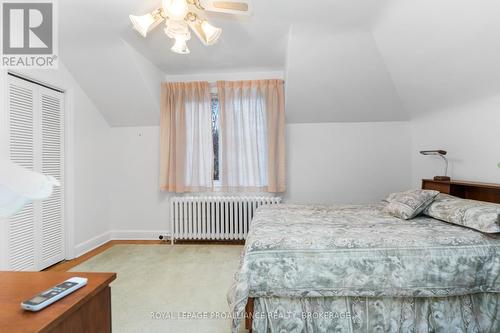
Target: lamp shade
19,186
212,33
180,46
145,23
206,32
442,154
434,152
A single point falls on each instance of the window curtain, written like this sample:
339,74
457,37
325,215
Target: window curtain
186,149
252,125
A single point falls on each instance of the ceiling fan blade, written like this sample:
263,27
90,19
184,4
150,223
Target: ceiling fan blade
237,7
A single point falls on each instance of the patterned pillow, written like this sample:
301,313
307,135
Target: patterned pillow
479,215
407,205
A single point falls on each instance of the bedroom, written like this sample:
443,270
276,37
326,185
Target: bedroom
343,96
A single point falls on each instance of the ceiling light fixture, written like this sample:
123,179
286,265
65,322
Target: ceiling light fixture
180,15
145,23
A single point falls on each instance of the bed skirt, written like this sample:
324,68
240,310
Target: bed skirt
469,313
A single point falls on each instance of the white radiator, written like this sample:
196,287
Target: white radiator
214,218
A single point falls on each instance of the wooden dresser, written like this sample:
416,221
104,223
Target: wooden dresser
468,190
85,310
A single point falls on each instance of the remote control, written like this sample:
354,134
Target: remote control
54,294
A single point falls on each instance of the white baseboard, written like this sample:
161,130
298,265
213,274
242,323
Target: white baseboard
92,243
99,240
138,234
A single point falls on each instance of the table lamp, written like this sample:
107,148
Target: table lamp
440,153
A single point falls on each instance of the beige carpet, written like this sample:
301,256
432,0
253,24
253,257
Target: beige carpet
163,280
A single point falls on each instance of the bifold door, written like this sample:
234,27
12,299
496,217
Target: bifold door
35,126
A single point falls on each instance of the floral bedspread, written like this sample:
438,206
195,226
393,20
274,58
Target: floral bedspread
330,251
475,313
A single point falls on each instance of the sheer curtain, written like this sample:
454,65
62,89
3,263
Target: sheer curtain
252,124
186,149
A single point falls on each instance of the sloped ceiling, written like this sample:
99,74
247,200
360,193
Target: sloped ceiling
345,82
441,53
344,60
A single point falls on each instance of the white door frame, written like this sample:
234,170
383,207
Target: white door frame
69,160
4,153
69,176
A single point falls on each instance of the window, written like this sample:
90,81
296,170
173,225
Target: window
215,134
231,144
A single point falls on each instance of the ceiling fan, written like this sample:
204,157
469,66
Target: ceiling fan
180,15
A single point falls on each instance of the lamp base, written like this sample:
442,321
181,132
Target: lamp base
442,178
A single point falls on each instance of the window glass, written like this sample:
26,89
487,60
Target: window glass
215,134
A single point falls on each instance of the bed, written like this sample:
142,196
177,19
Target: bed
357,269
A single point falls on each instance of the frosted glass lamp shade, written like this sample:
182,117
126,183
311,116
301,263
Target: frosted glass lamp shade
212,33
206,32
19,186
180,46
145,23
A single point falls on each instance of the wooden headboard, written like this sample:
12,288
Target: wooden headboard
467,190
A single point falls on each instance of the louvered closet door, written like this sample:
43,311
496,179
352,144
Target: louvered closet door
52,164
36,141
21,228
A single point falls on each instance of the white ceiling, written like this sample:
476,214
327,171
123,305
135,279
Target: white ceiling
441,53
345,82
344,60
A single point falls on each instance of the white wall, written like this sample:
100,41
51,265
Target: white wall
230,76
137,209
89,175
347,162
471,135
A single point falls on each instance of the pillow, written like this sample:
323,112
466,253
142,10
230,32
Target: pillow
407,205
479,215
